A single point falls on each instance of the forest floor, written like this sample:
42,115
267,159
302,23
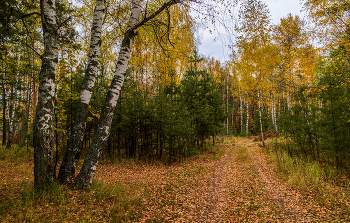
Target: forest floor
234,181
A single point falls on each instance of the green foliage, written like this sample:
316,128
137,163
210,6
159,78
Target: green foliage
319,125
17,153
311,175
232,130
265,119
243,132
172,123
201,94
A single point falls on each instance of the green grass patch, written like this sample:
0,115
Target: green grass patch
329,186
16,153
243,155
104,202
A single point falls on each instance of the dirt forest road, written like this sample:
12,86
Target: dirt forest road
233,182
244,188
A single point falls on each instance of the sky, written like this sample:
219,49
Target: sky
278,9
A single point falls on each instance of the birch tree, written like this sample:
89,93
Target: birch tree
261,125
43,126
12,103
86,174
71,156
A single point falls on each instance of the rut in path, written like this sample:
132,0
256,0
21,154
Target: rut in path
212,199
287,200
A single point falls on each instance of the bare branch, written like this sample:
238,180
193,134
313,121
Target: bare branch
161,9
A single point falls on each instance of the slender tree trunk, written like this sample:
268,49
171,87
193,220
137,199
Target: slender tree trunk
56,143
227,104
43,125
34,89
10,112
261,126
13,106
4,108
71,157
289,100
274,112
86,174
233,111
247,126
241,108
28,119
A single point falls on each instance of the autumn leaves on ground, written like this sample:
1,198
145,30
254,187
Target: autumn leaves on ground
234,181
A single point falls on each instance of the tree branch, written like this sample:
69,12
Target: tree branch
33,49
161,9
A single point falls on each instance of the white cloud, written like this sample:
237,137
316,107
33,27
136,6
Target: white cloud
212,48
278,10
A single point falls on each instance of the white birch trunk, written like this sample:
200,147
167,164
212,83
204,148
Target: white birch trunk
86,174
289,100
43,127
5,107
227,103
261,126
12,105
233,109
271,110
71,156
241,108
274,112
247,126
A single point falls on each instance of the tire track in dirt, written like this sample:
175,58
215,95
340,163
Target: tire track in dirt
212,199
248,199
289,201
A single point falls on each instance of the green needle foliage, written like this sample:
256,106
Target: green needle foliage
319,124
171,123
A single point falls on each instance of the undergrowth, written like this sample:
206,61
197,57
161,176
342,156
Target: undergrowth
16,153
112,203
328,185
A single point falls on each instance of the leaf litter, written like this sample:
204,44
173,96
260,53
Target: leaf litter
232,183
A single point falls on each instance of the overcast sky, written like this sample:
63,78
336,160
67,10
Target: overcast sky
278,9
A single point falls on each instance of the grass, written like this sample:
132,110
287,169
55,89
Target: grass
16,153
328,185
303,171
242,155
103,201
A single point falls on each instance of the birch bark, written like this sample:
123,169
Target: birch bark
241,108
273,111
261,126
67,169
10,116
12,106
43,125
289,100
4,107
227,104
86,174
247,126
